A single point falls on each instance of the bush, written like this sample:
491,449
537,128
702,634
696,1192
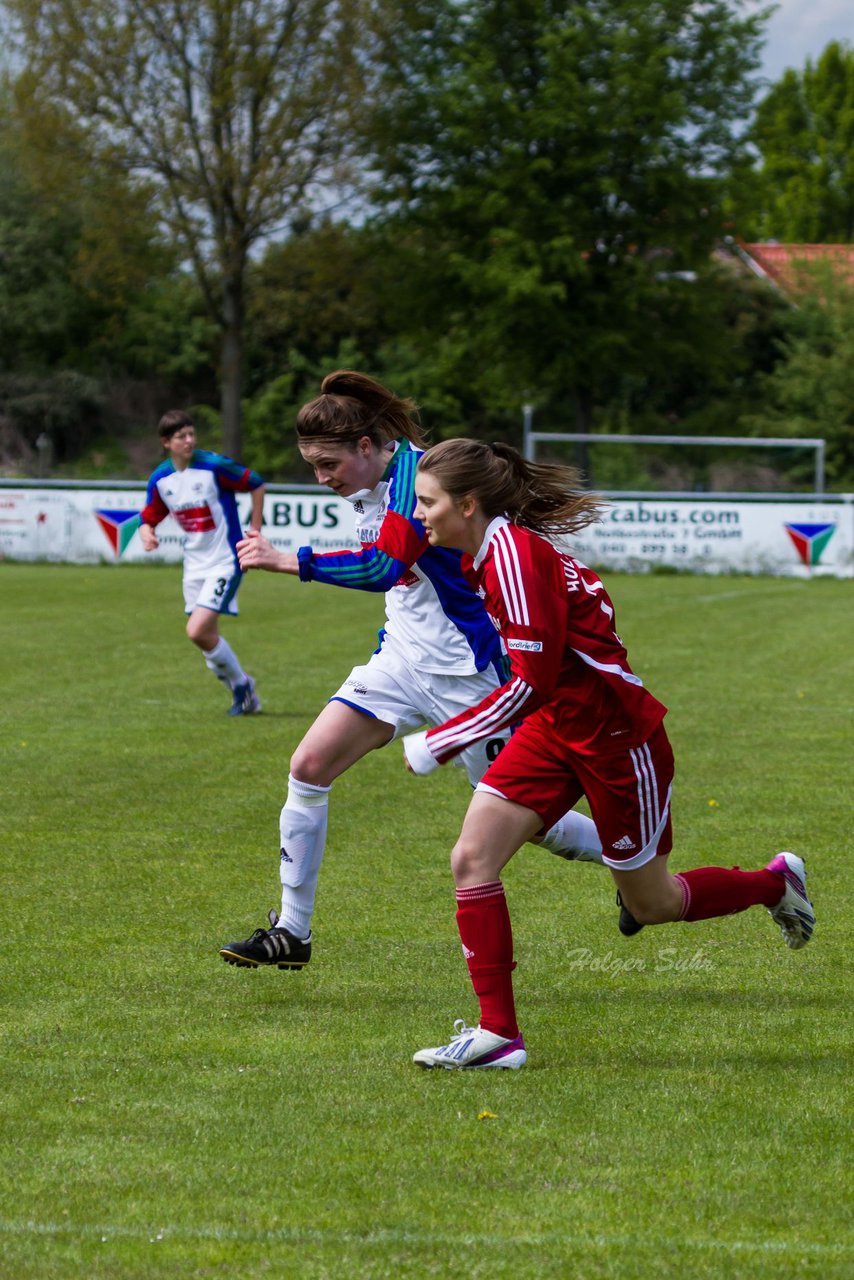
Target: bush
66,406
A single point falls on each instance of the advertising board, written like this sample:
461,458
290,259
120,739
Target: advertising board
790,536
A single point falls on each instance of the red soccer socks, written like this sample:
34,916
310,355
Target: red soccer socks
722,891
484,924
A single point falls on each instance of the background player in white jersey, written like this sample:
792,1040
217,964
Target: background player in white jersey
439,652
589,727
197,488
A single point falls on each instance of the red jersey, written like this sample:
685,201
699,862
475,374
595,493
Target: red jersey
570,674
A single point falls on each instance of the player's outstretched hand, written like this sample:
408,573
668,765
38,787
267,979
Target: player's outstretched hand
256,552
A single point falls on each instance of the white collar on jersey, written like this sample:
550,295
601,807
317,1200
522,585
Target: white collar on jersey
362,495
491,529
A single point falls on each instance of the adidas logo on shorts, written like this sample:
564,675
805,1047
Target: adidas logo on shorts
625,843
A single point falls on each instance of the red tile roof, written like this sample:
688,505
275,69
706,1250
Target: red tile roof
789,265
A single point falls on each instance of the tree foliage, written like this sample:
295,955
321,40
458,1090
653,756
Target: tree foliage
804,133
233,109
548,167
810,391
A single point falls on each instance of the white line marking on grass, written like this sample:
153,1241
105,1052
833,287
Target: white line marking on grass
750,591
311,1235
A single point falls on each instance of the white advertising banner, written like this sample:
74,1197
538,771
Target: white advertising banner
86,526
716,535
792,536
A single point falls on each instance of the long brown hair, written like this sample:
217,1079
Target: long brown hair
543,497
352,405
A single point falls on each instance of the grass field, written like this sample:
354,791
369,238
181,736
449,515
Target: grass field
683,1112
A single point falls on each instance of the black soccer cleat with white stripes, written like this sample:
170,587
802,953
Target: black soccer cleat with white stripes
271,946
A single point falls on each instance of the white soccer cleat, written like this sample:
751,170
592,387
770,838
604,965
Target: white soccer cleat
794,912
474,1047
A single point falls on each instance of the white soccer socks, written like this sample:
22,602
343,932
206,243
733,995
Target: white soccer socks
574,837
302,830
222,661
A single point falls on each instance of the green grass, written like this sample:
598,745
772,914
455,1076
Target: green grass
684,1110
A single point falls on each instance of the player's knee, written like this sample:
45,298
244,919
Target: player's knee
201,633
471,863
311,764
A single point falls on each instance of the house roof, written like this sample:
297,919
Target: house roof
788,266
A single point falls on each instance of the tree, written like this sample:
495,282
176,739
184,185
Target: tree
549,168
311,292
804,133
234,109
810,391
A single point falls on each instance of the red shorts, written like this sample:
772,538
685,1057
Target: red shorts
628,792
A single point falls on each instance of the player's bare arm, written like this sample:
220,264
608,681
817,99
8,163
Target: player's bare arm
256,519
257,552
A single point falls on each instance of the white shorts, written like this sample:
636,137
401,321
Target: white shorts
390,689
217,591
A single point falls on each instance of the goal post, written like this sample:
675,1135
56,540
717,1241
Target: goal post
532,438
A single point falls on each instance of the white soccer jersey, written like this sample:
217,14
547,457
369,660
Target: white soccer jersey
434,619
201,499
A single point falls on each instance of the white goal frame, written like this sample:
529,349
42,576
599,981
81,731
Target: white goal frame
531,439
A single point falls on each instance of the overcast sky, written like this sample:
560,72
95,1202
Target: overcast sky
801,29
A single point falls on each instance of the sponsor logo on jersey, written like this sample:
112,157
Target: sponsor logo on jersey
407,579
526,646
625,842
810,540
118,527
195,519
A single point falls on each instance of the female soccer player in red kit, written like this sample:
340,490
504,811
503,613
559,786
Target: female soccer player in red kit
589,727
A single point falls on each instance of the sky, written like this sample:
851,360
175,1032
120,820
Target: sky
801,29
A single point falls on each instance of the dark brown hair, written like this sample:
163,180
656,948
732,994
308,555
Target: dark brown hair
546,498
352,405
173,420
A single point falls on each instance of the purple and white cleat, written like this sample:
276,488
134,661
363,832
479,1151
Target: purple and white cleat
473,1047
794,912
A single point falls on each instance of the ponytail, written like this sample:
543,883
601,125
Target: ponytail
352,405
546,498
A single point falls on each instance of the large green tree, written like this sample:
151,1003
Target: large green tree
804,134
551,170
90,292
235,111
810,391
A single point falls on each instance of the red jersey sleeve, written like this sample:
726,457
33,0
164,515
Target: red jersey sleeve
154,510
525,594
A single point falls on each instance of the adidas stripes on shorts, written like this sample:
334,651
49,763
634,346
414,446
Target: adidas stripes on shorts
628,792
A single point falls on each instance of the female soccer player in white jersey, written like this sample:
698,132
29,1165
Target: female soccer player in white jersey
588,727
198,488
439,653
